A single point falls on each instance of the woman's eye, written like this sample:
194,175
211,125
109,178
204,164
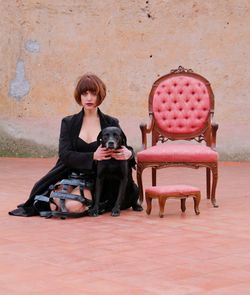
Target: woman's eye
87,92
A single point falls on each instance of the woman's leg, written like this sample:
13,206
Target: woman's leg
71,205
75,206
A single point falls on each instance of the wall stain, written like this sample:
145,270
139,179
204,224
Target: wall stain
19,86
20,147
147,10
32,46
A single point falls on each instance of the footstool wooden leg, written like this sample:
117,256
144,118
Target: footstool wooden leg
197,199
162,202
183,205
149,204
180,192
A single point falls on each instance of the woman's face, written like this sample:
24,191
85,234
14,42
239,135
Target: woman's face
89,100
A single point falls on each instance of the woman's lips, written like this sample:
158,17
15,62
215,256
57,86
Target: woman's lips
89,104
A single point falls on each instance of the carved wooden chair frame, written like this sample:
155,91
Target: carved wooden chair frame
207,134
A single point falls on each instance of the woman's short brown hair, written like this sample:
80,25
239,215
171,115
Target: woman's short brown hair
90,82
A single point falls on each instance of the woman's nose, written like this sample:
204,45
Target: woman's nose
89,96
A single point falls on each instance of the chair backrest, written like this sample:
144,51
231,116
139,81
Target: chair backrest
182,103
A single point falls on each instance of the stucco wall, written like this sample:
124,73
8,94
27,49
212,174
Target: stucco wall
46,45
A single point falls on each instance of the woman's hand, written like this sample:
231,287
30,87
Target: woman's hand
102,154
121,154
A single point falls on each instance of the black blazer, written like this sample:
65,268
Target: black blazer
69,158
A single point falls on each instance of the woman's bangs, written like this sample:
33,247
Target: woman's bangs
89,85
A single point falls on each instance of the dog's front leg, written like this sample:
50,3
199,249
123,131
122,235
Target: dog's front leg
95,210
122,188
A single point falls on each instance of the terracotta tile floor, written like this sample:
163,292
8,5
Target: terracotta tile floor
136,254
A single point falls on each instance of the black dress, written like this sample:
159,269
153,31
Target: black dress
75,155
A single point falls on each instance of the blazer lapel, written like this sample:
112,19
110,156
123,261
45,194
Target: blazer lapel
77,124
76,127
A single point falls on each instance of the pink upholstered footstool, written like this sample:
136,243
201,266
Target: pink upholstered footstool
162,193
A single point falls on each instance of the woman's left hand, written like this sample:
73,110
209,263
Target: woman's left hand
121,154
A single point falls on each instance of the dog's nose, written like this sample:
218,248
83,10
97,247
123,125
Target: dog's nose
111,144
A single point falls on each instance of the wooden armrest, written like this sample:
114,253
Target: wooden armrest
143,127
215,127
145,130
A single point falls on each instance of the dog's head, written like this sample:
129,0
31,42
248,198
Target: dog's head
112,138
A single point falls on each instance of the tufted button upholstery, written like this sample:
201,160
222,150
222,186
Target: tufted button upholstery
181,104
178,153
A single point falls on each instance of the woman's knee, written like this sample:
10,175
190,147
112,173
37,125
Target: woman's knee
74,206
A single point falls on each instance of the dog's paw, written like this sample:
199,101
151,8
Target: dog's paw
115,212
93,212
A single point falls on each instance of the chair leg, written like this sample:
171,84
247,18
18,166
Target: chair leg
183,205
139,181
208,174
197,199
149,204
214,184
153,177
162,202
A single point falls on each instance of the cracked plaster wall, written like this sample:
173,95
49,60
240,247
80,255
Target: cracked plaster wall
46,45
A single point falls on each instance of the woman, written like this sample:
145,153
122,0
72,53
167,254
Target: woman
78,151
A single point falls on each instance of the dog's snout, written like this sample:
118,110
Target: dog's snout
110,144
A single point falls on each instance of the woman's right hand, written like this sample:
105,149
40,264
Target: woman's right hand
102,154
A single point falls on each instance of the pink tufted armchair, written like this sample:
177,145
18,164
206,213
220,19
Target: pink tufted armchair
181,107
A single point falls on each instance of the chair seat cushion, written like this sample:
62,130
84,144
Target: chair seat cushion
178,153
171,190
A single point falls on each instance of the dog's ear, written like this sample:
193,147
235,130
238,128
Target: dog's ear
124,139
99,138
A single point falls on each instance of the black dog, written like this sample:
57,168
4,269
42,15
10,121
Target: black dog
111,138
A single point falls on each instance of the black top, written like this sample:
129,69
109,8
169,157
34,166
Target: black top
83,146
